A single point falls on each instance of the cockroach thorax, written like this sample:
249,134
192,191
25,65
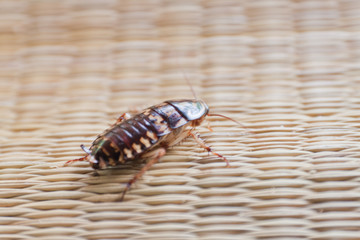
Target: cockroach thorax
192,110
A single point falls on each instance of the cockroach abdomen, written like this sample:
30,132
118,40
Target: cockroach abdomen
159,123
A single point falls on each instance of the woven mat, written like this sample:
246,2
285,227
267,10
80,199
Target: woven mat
288,70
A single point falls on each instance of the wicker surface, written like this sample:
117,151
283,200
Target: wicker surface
288,70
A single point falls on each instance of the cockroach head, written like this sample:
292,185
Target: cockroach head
193,110
203,111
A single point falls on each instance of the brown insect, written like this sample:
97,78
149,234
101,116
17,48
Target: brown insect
148,135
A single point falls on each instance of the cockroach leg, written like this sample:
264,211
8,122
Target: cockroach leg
157,154
74,160
209,127
88,153
124,116
208,148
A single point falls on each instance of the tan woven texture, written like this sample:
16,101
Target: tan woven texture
289,71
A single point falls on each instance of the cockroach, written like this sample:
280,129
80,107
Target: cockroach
148,135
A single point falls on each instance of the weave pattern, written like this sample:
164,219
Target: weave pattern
288,70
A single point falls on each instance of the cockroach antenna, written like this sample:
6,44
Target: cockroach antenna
229,118
209,114
220,115
188,82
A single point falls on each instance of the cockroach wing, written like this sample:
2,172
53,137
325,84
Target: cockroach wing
171,115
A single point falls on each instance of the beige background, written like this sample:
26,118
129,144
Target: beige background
288,70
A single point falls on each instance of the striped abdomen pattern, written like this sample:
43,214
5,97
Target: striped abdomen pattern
131,138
